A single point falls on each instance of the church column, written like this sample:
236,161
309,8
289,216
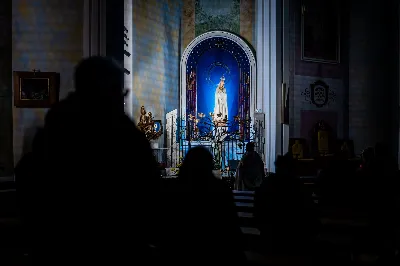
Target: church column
128,20
269,74
94,27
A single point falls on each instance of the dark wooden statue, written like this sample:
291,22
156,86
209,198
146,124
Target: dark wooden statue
345,148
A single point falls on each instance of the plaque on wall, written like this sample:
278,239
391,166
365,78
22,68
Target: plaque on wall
320,31
35,89
319,94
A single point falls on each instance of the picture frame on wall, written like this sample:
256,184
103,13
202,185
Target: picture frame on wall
320,31
36,89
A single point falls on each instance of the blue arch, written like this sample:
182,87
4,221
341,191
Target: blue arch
210,59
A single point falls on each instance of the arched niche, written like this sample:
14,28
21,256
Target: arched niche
207,58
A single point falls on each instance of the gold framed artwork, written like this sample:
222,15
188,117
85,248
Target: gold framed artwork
36,89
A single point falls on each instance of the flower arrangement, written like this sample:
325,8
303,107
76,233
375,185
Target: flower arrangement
175,170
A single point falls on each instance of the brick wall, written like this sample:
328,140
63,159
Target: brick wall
46,35
156,56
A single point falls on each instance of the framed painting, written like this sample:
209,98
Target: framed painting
36,89
320,31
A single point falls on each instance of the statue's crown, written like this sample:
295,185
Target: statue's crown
223,78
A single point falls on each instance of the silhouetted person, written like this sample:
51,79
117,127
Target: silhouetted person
25,174
250,172
330,181
367,157
284,212
96,182
383,198
202,223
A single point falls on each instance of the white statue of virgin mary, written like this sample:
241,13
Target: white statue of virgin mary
221,102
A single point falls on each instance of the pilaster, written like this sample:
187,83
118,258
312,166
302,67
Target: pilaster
269,74
94,28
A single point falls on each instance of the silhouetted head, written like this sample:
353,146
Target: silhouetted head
368,154
384,155
250,146
198,162
100,80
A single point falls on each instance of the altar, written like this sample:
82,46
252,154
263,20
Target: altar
217,100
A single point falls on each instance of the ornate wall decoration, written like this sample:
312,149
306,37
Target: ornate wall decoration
319,94
200,16
217,15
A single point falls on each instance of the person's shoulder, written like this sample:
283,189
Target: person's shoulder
61,109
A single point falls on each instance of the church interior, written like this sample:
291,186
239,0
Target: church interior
316,79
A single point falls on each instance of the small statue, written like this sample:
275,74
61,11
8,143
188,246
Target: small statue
345,150
297,150
150,118
149,128
143,117
146,125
